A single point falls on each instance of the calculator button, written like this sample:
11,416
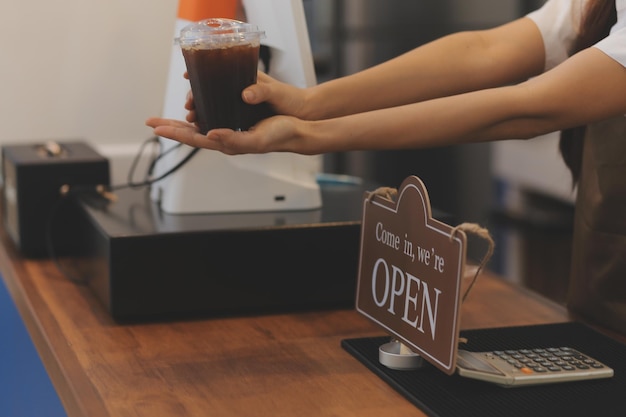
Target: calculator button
526,370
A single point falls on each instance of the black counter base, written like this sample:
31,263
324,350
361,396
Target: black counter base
144,264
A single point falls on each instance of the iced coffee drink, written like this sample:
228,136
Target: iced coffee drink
222,58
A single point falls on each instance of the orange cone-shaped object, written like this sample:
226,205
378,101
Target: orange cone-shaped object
195,10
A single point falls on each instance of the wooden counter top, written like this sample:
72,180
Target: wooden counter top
274,365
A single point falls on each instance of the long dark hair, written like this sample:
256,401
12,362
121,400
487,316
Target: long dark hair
597,21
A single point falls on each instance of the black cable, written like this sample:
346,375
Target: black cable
148,180
175,168
135,163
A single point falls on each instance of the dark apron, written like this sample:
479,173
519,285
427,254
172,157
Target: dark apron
597,288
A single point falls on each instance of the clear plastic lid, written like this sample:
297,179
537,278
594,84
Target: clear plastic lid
218,32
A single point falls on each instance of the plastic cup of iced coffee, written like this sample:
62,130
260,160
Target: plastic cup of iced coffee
222,57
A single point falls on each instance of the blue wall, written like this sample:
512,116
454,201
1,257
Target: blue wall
25,388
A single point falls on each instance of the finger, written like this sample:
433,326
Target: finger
231,142
189,104
183,132
191,117
253,94
258,92
188,136
263,77
159,121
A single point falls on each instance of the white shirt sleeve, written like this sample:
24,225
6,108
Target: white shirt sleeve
559,20
614,45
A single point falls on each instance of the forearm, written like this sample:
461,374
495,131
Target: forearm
450,120
586,88
454,64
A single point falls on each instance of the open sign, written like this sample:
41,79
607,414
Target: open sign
410,273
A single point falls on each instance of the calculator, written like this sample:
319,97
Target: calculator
522,367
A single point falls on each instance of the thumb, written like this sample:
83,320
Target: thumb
253,94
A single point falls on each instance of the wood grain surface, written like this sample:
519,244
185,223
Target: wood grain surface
273,365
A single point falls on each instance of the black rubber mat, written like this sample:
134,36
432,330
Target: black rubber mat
440,395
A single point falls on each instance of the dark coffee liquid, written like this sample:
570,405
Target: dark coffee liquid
218,76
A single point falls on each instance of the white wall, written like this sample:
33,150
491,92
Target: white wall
532,165
83,69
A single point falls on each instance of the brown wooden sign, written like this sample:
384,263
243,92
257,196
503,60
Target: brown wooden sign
410,273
